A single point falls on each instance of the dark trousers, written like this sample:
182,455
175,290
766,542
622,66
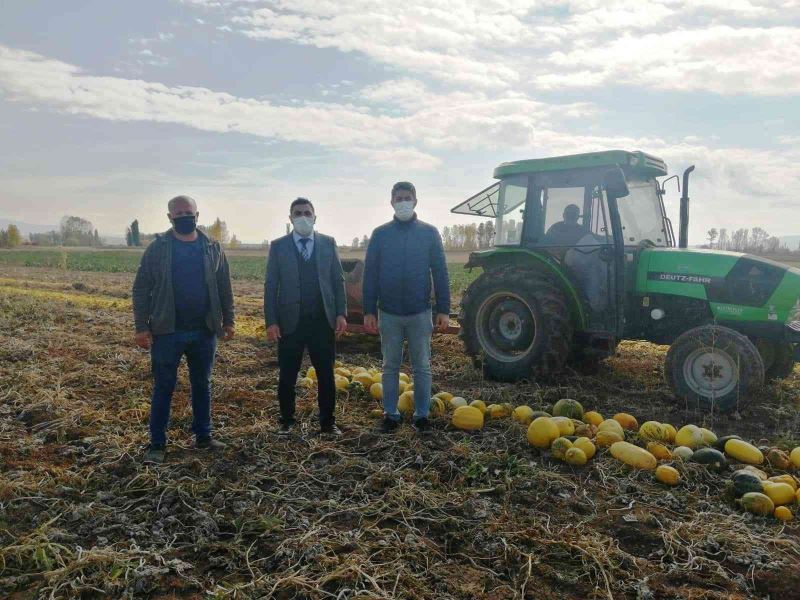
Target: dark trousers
199,347
316,335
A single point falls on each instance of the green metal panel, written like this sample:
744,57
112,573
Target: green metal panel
782,307
680,271
638,162
509,254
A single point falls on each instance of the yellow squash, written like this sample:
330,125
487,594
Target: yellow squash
523,415
467,418
585,444
660,451
480,405
757,503
457,402
633,456
779,493
783,514
689,436
627,421
794,457
542,432
667,475
611,425
652,431
575,456
606,438
565,425
593,418
744,452
405,404
559,448
376,391
669,432
341,382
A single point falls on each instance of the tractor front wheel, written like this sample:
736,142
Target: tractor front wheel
714,367
515,324
778,358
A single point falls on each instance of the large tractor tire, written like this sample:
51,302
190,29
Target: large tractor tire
515,324
714,368
778,358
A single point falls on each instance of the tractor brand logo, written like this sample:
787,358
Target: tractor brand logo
679,278
730,309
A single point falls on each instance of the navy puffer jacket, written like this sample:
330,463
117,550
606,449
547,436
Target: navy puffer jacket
401,257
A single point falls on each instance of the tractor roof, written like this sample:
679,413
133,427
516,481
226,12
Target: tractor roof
636,162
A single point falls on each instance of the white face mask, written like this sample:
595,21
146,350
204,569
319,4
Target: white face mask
404,210
304,226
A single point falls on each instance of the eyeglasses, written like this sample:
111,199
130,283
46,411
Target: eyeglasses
302,213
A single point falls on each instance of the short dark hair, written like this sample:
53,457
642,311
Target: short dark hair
404,185
300,201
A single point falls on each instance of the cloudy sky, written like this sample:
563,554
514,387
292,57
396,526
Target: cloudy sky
107,109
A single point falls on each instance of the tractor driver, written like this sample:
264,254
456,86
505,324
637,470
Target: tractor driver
568,231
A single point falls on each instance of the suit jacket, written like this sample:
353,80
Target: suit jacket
282,282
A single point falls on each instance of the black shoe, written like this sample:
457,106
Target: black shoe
155,454
422,424
209,443
389,425
285,427
331,429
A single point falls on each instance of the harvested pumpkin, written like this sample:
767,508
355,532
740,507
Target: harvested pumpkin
542,432
779,493
437,407
559,447
576,457
567,407
405,378
757,503
311,373
709,437
744,452
467,418
778,459
786,478
565,425
445,396
305,382
660,451
794,457
652,431
365,379
683,452
669,432
611,425
783,514
457,402
480,405
344,372
627,421
606,438
633,456
689,436
593,418
405,404
496,411
523,415
667,475
585,444
341,382
376,391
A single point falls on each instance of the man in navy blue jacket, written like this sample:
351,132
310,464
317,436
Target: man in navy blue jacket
401,257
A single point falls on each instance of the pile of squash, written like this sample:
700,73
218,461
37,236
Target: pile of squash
574,436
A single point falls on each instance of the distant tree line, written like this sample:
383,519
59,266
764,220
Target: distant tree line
468,237
73,231
753,241
10,237
217,231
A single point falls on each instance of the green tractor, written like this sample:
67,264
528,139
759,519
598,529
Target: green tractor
584,256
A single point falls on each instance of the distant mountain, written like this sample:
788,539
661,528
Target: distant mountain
26,228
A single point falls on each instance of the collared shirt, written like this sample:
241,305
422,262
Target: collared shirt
309,246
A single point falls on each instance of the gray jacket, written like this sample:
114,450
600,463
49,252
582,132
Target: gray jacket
153,299
282,286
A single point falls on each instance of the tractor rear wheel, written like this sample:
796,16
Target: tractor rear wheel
515,324
714,367
778,358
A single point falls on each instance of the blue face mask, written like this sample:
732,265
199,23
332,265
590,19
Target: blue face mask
404,210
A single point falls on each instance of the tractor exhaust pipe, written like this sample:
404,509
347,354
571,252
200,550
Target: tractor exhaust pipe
683,239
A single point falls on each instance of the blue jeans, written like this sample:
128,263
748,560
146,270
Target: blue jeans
417,329
199,347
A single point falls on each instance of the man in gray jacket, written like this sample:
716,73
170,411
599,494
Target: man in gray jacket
182,301
305,307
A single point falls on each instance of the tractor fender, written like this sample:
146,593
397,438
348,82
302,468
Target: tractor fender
497,258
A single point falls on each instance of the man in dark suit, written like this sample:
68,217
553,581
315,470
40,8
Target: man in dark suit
305,308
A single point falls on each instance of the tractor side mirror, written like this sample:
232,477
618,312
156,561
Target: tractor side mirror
615,184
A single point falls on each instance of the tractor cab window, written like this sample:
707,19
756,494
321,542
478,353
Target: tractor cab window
642,215
511,211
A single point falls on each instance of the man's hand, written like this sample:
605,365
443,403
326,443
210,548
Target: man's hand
273,333
442,322
227,332
341,326
143,339
371,324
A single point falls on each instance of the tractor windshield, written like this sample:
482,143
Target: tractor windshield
642,215
511,210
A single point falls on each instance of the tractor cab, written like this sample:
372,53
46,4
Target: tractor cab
584,217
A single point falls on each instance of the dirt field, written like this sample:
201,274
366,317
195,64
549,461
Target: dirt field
448,515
